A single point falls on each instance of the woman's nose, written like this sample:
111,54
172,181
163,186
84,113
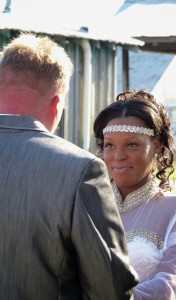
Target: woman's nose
120,154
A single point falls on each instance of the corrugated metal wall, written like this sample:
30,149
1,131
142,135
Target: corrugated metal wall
103,85
103,89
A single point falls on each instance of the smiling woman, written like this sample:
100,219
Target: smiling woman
128,154
139,154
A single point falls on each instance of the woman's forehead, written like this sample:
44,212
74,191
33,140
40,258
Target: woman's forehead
130,120
124,136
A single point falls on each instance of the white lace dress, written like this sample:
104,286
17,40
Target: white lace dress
149,219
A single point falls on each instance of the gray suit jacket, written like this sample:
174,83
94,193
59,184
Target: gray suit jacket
60,233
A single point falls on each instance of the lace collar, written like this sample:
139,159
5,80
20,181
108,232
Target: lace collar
137,197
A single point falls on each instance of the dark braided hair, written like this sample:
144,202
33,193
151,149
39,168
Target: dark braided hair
143,105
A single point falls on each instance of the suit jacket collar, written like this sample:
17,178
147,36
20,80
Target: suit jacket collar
19,122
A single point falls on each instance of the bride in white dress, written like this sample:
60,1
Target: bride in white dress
133,135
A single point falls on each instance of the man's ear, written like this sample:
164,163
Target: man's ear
54,105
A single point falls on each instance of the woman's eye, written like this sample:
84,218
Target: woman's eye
132,145
108,145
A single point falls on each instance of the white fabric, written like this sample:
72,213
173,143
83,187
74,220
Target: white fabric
144,257
156,267
170,237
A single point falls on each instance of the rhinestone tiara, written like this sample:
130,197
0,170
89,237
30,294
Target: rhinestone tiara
128,128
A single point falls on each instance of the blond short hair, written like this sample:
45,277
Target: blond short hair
40,55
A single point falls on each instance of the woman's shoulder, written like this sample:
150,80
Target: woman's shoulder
169,195
169,198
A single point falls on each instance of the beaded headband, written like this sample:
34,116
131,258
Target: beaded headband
128,128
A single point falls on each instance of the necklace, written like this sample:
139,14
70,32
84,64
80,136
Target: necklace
135,198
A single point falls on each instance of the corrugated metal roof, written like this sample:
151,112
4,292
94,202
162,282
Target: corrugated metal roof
103,31
149,18
151,21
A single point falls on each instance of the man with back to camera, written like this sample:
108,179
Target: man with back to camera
61,235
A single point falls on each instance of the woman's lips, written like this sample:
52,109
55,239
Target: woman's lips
121,169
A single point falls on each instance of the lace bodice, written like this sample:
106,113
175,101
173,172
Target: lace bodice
137,197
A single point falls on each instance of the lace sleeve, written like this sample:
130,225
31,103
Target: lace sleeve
170,238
